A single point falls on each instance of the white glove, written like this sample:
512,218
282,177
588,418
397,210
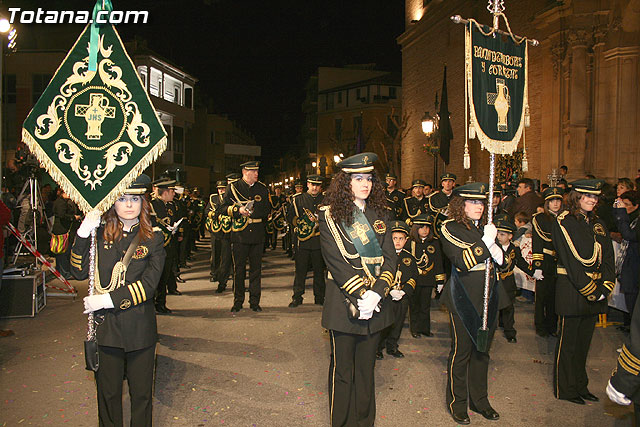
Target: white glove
538,274
617,397
97,302
490,234
601,297
365,316
90,222
396,294
496,253
368,302
440,288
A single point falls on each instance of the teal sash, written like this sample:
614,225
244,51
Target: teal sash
366,243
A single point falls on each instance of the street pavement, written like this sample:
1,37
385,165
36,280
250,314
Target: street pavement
271,368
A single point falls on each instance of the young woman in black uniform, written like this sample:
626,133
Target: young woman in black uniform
586,275
123,301
468,243
545,263
358,250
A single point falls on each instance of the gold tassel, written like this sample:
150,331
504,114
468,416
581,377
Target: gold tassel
467,158
527,116
525,162
472,130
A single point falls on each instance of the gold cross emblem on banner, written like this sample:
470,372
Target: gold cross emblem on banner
95,113
501,102
360,231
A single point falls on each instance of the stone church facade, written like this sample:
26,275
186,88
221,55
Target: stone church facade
584,85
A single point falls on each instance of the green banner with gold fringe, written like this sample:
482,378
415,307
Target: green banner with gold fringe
496,73
95,131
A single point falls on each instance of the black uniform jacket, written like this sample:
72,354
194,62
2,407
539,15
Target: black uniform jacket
428,257
347,277
467,253
412,207
238,193
626,377
395,200
299,203
165,214
585,265
407,273
131,324
513,258
543,252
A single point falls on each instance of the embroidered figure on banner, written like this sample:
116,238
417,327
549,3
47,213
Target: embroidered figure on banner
501,102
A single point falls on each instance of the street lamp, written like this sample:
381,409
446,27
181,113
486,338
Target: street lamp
6,29
314,165
431,130
336,158
428,124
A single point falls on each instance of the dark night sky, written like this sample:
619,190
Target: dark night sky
253,58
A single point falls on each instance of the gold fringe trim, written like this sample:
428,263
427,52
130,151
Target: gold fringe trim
52,169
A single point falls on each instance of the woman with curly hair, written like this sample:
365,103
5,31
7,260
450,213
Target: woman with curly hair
586,275
469,241
358,250
129,260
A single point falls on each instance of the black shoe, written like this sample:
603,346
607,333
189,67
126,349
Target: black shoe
415,335
488,413
577,400
542,334
319,301
590,397
176,292
162,309
512,340
236,308
256,308
220,289
461,418
396,353
379,355
294,303
426,334
180,279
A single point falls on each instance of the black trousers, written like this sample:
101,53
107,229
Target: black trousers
185,244
352,400
304,259
168,278
215,255
545,317
137,367
390,336
226,262
570,370
630,299
466,369
507,319
241,252
420,310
